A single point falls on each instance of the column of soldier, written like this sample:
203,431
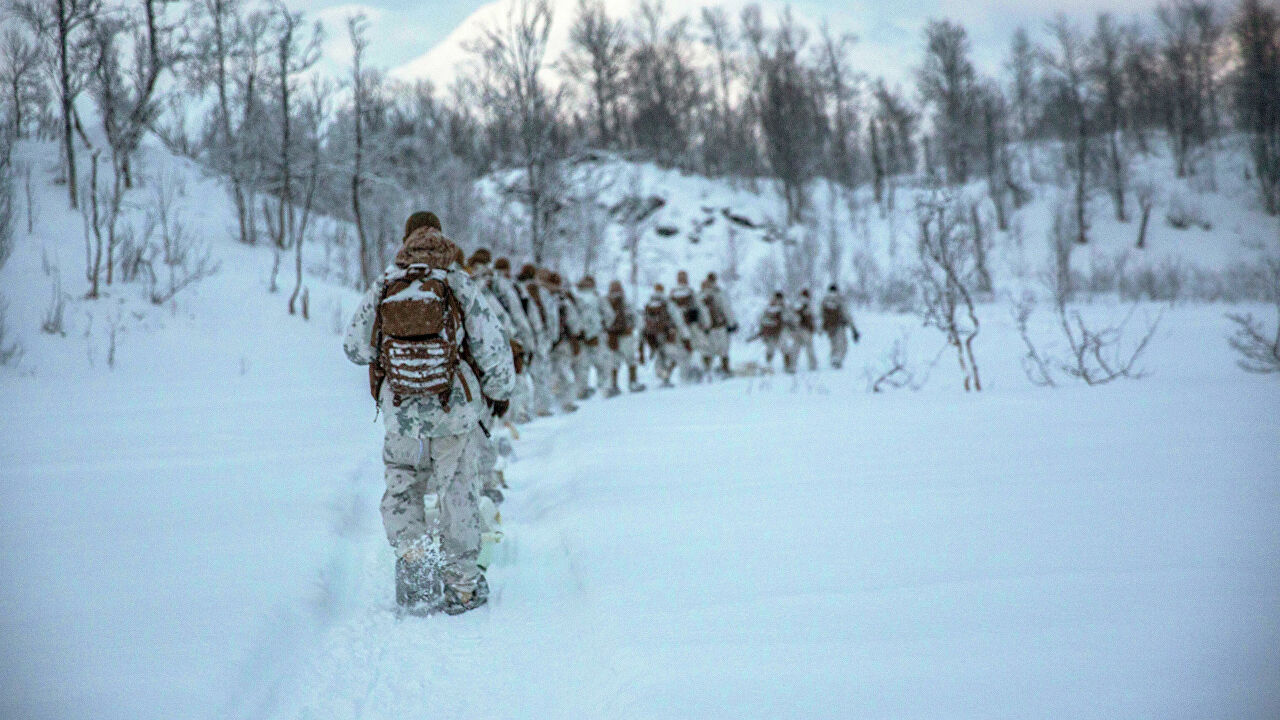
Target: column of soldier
455,344
563,333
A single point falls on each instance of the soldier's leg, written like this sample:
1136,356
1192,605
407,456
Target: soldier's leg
487,460
403,515
839,347
454,461
806,344
581,373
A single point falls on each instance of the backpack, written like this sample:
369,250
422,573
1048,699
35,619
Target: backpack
683,298
771,322
719,318
417,333
659,329
832,316
804,317
623,323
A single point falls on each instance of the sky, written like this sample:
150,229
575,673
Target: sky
889,32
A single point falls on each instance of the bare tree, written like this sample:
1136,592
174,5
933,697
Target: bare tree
10,349
947,84
791,117
1146,192
945,275
1109,47
1023,83
20,61
295,51
60,25
596,58
1258,349
1257,94
512,57
1065,72
185,259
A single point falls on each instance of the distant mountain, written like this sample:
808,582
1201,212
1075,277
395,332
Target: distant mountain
444,62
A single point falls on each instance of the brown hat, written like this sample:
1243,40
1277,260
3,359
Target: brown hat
711,277
709,282
527,272
615,288
658,288
421,220
804,292
682,277
480,257
427,246
502,265
554,279
587,282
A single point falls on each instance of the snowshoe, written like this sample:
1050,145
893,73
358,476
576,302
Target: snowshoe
457,601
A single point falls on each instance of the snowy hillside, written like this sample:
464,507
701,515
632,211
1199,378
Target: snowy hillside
189,521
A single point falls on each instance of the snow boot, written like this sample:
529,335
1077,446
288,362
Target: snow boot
586,394
493,494
419,587
633,385
568,408
457,601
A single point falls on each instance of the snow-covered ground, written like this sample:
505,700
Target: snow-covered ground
193,533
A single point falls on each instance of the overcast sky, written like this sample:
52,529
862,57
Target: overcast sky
889,30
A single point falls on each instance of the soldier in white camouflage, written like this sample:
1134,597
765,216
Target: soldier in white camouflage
430,508
621,342
538,309
771,330
837,325
595,315
723,324
801,328
696,325
665,335
568,338
497,280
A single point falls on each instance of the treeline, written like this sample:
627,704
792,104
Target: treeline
234,84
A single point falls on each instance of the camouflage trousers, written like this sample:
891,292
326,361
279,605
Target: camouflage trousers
522,396
839,346
540,384
598,357
562,384
802,341
669,357
718,342
433,495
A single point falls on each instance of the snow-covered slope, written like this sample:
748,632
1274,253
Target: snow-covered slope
191,531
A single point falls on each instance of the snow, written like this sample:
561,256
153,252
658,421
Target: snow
193,532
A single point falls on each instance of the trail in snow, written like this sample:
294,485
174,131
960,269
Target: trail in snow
798,549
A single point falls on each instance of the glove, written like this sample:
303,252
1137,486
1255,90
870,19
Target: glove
856,335
498,407
733,328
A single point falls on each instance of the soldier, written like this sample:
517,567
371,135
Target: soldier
621,341
539,313
567,331
697,324
596,315
513,300
720,316
802,329
664,335
770,330
423,308
835,321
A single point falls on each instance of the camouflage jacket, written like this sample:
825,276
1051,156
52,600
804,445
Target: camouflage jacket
715,296
424,417
595,313
504,291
